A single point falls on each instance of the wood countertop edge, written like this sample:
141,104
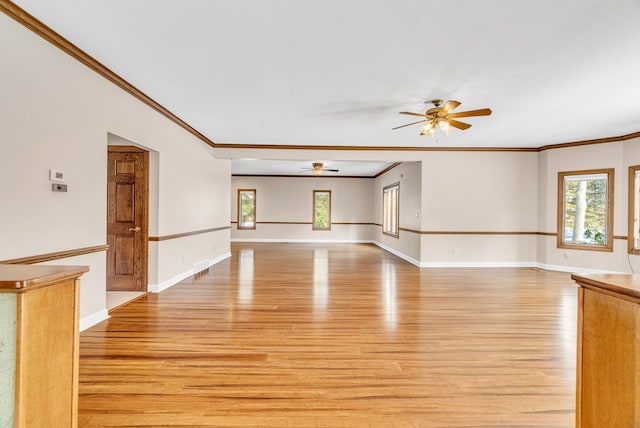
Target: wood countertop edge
21,278
614,283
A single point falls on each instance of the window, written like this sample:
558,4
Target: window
246,208
322,210
390,209
633,235
585,209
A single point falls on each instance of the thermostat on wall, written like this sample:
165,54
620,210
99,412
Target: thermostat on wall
55,175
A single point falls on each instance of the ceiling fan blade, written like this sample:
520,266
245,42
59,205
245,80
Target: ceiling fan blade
413,114
480,112
409,124
458,124
331,169
449,106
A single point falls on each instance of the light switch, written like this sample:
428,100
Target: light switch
58,187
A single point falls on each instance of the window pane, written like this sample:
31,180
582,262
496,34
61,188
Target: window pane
585,209
321,209
394,211
390,202
385,216
634,209
246,209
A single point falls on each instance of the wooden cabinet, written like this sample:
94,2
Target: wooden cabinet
39,345
608,360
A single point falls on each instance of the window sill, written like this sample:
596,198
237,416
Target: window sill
587,247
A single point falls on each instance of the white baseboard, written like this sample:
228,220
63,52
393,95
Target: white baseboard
93,319
525,264
398,253
157,288
514,265
307,241
477,264
572,269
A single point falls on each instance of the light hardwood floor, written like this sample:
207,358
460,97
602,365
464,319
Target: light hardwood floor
336,335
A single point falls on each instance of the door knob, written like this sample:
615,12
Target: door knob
135,229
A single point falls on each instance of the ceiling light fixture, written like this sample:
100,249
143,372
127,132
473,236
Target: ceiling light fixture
318,169
428,130
442,116
444,126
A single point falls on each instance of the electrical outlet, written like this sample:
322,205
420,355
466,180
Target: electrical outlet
58,187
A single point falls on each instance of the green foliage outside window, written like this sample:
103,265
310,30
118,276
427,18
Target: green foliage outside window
247,209
321,210
585,211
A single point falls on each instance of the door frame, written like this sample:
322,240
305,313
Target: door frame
144,248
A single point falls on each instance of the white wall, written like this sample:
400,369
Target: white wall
618,155
57,113
456,208
480,191
409,175
289,200
478,207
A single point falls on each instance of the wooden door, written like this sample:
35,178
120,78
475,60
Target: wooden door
127,212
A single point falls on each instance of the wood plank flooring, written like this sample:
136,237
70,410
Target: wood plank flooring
336,335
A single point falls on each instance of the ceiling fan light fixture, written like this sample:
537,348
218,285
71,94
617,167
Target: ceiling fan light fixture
443,117
444,126
428,130
319,168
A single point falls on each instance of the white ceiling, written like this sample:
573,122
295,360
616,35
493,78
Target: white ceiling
303,167
337,72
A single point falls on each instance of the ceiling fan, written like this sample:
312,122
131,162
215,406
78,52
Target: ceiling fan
319,168
440,116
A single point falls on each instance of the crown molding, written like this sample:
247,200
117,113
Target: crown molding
38,27
432,149
373,148
590,142
387,169
302,176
